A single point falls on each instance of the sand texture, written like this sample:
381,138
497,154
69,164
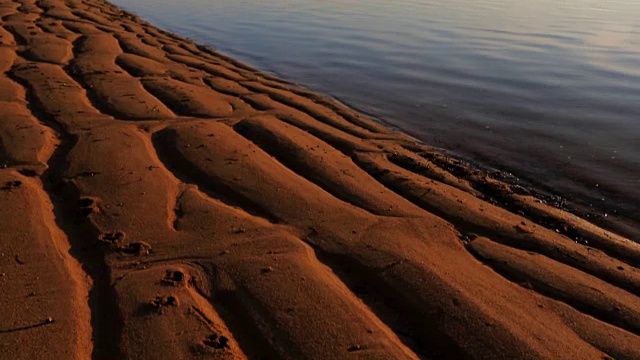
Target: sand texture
159,200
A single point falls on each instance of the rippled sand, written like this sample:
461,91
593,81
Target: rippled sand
162,201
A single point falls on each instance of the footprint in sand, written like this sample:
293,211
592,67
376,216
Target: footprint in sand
174,278
11,185
112,237
137,248
217,342
88,206
160,303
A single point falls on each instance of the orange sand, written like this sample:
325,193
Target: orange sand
161,201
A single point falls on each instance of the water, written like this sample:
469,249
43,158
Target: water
549,90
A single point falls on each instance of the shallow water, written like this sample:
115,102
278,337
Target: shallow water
548,90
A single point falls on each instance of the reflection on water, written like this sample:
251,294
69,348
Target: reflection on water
548,89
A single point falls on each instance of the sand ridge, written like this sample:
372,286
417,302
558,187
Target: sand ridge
159,200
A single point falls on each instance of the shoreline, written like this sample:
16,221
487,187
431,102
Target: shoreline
617,214
614,218
585,185
195,207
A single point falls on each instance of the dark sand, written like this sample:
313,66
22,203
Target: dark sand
161,201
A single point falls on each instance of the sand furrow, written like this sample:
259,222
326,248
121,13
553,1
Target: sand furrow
256,177
91,17
42,284
229,161
190,100
55,10
227,87
612,340
18,127
583,292
342,141
11,94
218,59
212,69
133,45
318,112
140,60
140,66
7,59
39,45
56,94
238,65
103,317
320,163
243,272
79,27
177,163
26,143
8,8
519,200
56,28
252,286
170,311
114,91
580,230
331,104
406,283
427,169
274,302
6,37
81,266
472,215
28,6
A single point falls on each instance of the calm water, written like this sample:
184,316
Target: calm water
549,90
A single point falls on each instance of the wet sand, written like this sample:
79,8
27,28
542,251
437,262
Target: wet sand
161,201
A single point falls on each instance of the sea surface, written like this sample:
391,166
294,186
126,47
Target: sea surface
547,90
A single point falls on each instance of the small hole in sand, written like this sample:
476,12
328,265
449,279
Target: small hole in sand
86,202
217,342
137,248
112,237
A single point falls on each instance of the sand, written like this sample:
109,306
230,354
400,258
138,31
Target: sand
159,200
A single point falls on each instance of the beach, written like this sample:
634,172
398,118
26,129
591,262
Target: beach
159,200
